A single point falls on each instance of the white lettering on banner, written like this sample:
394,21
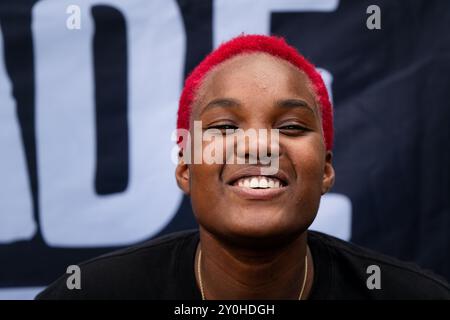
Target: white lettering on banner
252,16
249,16
16,211
334,216
19,293
328,80
71,213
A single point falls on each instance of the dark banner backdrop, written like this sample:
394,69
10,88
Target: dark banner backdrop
86,116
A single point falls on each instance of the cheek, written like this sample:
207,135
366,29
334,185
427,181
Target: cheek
206,186
206,167
307,158
204,176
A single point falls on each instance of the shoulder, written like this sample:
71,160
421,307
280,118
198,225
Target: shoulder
135,272
352,266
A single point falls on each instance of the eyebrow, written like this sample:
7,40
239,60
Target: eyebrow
294,103
230,102
222,103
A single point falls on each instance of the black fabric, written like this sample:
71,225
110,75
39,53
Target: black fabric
164,269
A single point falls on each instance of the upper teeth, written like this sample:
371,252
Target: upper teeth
259,182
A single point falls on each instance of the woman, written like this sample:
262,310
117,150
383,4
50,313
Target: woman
252,241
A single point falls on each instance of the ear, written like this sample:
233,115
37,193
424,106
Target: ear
328,173
182,174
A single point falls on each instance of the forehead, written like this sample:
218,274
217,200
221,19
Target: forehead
247,75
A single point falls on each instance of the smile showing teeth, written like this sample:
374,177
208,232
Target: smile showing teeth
259,182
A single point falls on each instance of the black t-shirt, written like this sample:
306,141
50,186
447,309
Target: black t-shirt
163,268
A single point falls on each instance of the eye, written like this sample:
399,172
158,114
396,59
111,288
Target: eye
293,129
224,128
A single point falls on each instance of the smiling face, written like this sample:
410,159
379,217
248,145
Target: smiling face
259,91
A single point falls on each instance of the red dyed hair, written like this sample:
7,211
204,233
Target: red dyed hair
275,46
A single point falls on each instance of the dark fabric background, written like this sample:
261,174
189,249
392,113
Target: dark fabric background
391,92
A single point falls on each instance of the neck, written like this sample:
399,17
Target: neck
230,272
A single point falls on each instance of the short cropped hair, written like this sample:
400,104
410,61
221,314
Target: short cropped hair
275,46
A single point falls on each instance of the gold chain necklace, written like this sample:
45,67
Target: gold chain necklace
199,272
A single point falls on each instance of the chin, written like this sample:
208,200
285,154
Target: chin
260,235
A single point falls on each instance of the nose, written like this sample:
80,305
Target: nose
257,146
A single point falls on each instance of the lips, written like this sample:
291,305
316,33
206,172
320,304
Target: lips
255,178
249,183
259,182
